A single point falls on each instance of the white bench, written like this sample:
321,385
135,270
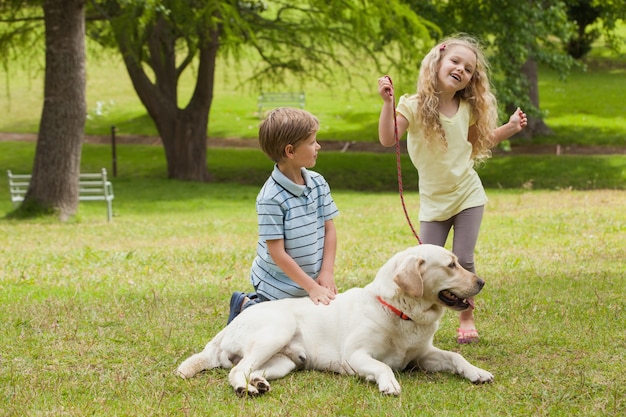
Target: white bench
271,100
92,187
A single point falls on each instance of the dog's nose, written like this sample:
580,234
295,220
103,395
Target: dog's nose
480,282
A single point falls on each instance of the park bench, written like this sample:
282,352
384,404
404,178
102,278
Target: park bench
92,187
271,100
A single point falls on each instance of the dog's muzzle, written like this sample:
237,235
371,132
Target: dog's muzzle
455,302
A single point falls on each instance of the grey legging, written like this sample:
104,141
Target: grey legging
466,226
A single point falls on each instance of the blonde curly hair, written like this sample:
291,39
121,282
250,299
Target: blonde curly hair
477,93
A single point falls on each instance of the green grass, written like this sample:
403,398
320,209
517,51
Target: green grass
95,317
360,171
587,109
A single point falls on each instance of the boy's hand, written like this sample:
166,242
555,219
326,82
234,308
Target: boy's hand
327,280
322,295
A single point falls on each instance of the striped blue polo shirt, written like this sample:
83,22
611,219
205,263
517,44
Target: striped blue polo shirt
295,213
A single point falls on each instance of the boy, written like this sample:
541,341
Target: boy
297,238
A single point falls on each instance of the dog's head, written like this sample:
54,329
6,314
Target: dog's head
433,274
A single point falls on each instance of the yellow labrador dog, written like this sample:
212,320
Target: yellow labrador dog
387,325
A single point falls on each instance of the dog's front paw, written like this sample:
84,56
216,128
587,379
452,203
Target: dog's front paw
479,376
255,387
260,384
389,386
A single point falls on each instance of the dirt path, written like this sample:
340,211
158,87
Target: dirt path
518,148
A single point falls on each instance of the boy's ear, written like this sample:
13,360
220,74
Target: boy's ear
289,150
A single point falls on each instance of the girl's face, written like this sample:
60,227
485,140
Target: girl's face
456,68
305,153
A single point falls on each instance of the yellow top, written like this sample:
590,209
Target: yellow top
448,183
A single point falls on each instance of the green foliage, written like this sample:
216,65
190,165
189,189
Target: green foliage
592,19
278,40
512,36
612,13
21,28
583,13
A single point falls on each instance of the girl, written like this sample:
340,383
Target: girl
451,124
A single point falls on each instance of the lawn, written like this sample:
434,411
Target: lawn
95,317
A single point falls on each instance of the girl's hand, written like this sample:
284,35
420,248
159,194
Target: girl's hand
518,119
385,88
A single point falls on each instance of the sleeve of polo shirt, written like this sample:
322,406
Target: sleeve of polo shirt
330,208
271,220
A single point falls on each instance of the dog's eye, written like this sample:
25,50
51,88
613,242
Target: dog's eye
452,265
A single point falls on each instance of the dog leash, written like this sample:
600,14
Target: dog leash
399,165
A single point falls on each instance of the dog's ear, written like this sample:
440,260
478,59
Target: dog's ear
409,278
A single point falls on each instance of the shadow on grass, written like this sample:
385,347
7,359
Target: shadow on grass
239,173
577,135
555,172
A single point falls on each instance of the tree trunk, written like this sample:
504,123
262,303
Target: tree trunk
56,168
536,126
182,131
184,140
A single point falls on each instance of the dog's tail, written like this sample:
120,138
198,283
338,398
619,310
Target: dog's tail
207,359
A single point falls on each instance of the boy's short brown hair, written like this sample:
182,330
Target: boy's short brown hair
285,126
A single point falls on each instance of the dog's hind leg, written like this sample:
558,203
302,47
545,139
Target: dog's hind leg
263,359
194,364
250,375
211,357
277,367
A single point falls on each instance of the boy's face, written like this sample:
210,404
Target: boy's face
305,152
